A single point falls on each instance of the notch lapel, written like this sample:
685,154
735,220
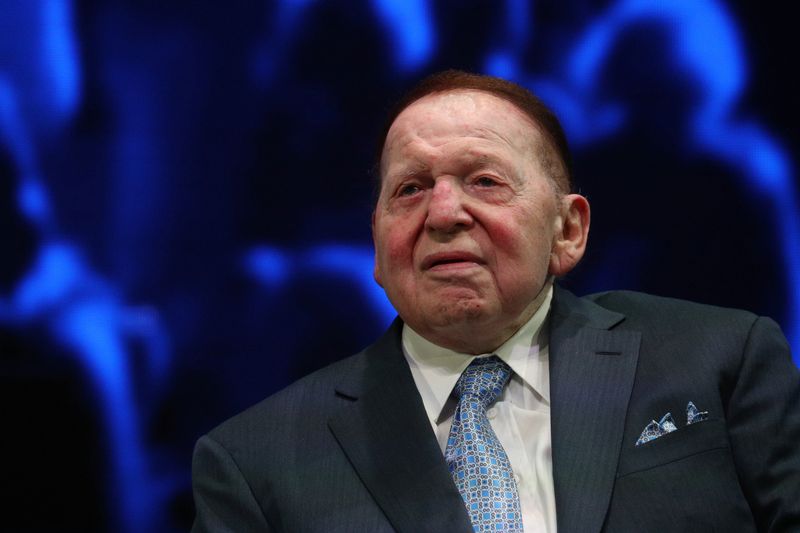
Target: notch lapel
388,439
592,370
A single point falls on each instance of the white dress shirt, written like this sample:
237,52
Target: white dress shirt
520,417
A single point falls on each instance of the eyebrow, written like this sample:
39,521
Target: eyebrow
469,159
482,158
473,160
411,167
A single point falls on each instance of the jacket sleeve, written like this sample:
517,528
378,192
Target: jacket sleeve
223,499
764,428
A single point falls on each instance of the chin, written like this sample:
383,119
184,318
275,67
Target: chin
466,312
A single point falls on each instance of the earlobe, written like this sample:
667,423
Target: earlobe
569,243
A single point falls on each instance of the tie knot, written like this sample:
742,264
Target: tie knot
483,379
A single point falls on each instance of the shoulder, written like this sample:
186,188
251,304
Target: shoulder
288,432
300,412
304,403
678,330
660,312
687,334
641,302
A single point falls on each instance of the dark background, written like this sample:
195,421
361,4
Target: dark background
185,201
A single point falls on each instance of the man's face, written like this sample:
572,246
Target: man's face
466,219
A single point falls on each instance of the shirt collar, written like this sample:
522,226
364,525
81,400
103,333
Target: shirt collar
440,367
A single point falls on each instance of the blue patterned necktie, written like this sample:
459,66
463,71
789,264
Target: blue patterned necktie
476,459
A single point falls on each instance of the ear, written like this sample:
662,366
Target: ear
376,271
572,233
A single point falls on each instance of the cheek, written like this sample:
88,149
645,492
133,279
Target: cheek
397,248
507,240
522,247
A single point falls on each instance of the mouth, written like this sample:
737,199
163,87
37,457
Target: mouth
450,260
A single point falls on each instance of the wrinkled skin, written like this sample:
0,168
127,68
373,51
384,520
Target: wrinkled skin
468,227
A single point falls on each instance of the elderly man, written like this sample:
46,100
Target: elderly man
498,401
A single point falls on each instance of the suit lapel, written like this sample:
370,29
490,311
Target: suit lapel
388,439
592,371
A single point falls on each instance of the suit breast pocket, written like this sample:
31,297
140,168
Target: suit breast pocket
684,442
683,482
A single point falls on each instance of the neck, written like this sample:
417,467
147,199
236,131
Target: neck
482,336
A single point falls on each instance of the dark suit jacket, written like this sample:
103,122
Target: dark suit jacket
349,448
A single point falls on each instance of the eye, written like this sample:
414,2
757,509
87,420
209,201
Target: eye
485,181
408,190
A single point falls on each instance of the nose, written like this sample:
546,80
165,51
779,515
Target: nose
446,209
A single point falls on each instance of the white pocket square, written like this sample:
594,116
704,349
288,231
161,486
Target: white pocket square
654,429
693,414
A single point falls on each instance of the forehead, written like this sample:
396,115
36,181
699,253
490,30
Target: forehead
469,115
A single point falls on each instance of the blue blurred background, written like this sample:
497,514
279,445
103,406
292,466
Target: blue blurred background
185,201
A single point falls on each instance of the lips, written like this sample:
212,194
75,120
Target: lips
450,259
